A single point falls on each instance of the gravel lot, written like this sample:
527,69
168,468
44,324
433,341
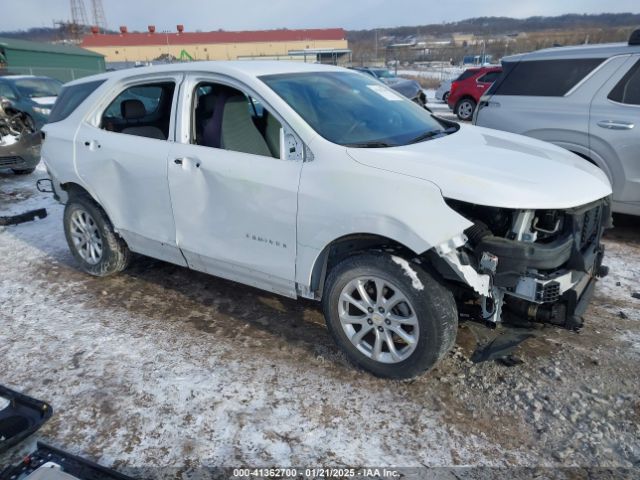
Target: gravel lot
164,366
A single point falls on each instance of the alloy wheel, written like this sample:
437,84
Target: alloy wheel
378,319
86,236
465,110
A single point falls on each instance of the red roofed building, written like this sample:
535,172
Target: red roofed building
328,45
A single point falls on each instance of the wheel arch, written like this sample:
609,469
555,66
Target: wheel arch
73,188
345,246
466,96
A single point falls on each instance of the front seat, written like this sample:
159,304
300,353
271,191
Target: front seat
204,113
134,110
238,132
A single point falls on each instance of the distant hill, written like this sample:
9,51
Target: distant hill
478,26
506,25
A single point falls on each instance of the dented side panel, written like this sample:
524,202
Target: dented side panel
128,176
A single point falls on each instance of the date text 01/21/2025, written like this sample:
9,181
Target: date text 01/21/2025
315,473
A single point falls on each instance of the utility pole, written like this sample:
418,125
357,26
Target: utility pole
376,46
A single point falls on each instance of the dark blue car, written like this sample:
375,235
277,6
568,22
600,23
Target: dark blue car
32,95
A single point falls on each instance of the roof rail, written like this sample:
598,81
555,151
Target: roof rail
634,39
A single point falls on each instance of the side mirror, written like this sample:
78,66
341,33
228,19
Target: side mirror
291,148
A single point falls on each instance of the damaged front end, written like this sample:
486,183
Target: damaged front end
532,265
19,138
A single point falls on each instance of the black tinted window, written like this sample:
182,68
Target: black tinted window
69,99
489,77
628,89
466,74
544,78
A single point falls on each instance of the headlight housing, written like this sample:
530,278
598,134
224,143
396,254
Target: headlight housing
42,110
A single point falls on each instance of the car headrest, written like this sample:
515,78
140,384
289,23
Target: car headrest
207,103
132,109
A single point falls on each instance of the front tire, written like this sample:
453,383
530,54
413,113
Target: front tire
465,108
445,97
390,316
91,238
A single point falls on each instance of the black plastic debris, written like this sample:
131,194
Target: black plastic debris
510,361
500,348
636,295
50,463
20,416
23,217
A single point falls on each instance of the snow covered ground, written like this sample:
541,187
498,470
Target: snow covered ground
444,73
162,366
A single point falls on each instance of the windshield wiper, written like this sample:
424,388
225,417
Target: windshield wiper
369,145
431,134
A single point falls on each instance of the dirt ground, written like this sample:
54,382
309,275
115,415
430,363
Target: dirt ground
164,366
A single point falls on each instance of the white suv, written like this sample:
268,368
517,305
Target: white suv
318,182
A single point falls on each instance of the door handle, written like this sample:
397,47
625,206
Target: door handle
613,125
187,161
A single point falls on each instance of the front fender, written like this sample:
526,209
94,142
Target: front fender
358,199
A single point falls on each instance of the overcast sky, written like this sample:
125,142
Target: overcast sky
268,14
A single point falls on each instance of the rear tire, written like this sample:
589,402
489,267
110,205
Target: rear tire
91,238
23,171
465,108
414,333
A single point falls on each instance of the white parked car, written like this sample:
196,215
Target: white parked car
318,182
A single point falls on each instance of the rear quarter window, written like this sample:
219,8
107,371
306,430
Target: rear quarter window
70,98
466,74
543,78
627,90
490,77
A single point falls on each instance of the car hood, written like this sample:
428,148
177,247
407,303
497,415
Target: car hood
493,168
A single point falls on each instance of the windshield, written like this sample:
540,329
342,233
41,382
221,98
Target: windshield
38,87
352,110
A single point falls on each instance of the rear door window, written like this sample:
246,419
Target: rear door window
544,78
142,110
489,77
466,74
627,90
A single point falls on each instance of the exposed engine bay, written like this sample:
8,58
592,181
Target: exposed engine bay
532,265
13,124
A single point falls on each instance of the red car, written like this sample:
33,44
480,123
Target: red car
467,89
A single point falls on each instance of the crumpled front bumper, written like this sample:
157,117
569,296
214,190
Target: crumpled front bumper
23,154
542,282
